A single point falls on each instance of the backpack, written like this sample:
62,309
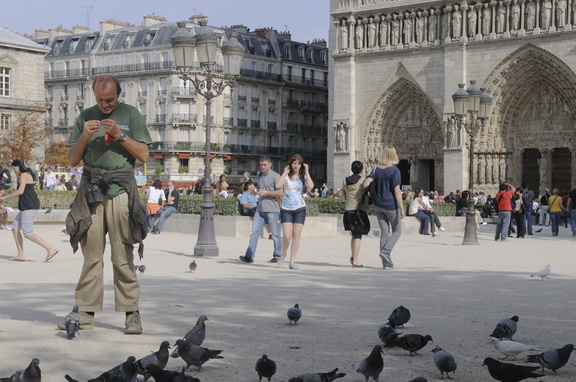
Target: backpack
5,179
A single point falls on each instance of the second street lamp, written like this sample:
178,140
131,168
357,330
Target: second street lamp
209,85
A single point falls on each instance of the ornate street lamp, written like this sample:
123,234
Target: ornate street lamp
209,85
471,108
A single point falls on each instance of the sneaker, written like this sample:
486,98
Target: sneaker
484,223
87,322
442,229
280,262
294,266
133,324
434,234
156,232
246,259
273,260
386,260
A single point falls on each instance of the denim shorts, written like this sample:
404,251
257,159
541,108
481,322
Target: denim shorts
293,216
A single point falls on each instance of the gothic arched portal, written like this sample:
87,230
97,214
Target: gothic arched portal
405,118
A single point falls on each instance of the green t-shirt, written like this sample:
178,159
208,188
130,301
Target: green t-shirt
115,156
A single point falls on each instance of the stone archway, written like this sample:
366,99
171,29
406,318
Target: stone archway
534,107
405,118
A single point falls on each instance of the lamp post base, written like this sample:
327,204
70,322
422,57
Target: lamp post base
470,237
206,243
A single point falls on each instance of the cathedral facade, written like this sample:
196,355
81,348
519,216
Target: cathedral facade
396,64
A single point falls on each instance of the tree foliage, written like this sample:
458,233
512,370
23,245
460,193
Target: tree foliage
57,154
26,137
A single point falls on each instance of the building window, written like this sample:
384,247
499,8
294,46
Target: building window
303,75
289,73
287,51
4,121
323,57
309,55
5,82
301,53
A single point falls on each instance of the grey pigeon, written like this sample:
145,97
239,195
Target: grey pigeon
141,268
265,367
125,372
444,361
505,328
509,372
399,316
413,342
318,377
158,358
294,314
419,379
193,266
388,334
30,374
195,355
372,365
552,359
543,273
511,348
196,335
161,375
72,322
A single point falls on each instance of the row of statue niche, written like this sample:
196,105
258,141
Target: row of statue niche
490,168
455,21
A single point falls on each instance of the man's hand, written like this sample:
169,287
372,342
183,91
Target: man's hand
111,127
90,127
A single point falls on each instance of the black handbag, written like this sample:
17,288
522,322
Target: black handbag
358,220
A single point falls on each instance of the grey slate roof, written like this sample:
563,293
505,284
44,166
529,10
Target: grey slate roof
12,39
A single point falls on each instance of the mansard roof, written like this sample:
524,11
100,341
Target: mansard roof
294,54
14,40
72,44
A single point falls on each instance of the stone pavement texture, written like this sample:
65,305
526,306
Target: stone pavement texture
456,294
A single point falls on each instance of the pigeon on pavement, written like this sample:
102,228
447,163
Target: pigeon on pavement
195,355
30,374
161,375
372,365
543,273
511,348
419,379
413,342
509,372
72,321
444,361
196,335
158,358
318,377
388,334
125,372
265,367
141,268
505,328
399,316
552,359
193,266
294,314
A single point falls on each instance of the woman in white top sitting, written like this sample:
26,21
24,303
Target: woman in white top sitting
155,194
417,208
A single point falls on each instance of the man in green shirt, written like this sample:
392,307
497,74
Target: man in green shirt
108,137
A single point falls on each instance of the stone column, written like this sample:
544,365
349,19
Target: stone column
544,171
494,10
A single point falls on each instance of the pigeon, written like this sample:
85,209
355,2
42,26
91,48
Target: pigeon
505,328
318,377
413,342
444,361
72,321
419,379
48,210
372,365
399,316
141,268
388,334
65,231
161,375
158,358
194,354
538,230
552,359
265,367
543,273
294,314
30,374
196,335
511,348
193,266
125,372
509,372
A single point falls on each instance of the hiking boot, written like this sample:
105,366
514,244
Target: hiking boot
87,322
133,324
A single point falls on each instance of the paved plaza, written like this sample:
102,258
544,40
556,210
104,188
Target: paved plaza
456,294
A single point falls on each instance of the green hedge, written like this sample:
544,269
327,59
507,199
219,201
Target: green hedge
190,204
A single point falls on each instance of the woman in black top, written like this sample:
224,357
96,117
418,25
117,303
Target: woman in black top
28,205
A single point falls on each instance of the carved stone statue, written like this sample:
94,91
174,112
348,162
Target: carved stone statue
371,33
560,13
432,25
486,14
481,169
515,15
472,18
340,137
344,34
395,30
450,133
446,23
359,35
420,24
383,31
501,19
546,14
530,15
456,22
407,29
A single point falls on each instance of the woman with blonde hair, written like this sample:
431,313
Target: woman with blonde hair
295,181
388,203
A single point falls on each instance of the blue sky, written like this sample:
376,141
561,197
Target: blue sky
305,19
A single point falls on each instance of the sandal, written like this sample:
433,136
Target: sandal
357,265
352,260
49,257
